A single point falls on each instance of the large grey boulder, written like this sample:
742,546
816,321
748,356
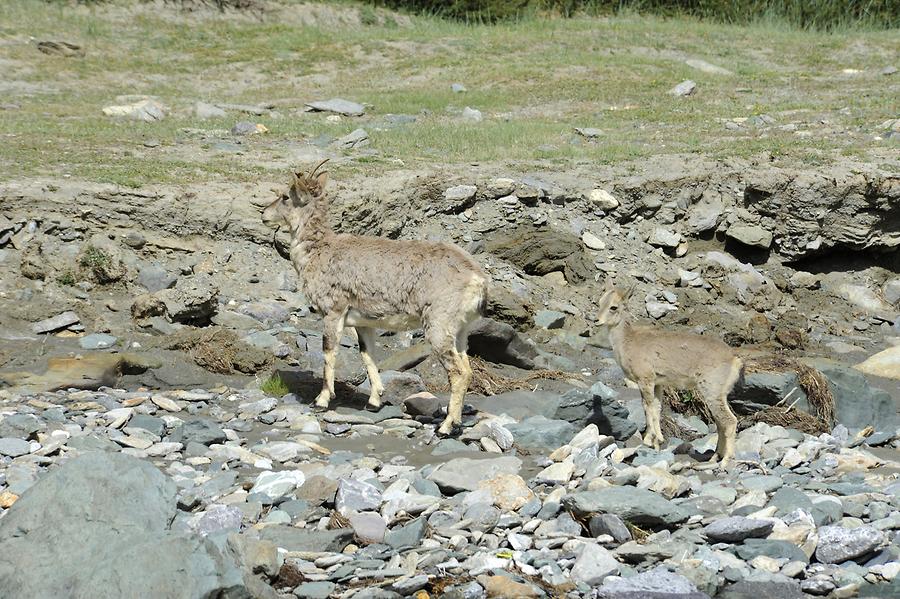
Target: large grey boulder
499,342
639,506
757,390
98,527
609,414
857,404
541,434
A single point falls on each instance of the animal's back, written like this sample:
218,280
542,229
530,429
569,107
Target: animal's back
388,276
676,357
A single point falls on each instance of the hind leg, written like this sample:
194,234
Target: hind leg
716,399
460,376
459,372
366,338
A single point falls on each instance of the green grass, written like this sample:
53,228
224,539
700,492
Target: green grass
274,386
66,278
534,80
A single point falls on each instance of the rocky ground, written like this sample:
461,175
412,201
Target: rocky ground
158,359
169,334
230,493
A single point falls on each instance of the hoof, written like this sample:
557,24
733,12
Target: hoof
370,407
454,431
723,464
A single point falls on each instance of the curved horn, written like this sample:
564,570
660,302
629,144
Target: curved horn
313,172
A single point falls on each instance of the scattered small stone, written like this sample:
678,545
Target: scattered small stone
471,114
592,242
355,139
589,132
248,128
97,341
685,88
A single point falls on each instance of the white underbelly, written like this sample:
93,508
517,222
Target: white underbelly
398,322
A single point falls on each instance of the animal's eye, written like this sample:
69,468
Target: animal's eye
284,198
613,308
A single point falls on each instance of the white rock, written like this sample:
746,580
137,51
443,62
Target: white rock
276,485
702,65
501,186
558,473
884,364
489,445
603,200
282,451
863,297
144,110
163,449
664,238
593,565
460,193
501,435
519,542
165,403
592,242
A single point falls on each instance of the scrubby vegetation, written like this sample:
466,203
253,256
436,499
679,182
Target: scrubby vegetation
813,14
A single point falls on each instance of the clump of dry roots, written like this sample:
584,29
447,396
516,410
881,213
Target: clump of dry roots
487,382
811,381
218,350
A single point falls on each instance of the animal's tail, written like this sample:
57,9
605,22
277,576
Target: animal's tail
483,303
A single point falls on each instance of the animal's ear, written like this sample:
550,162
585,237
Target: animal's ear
321,180
608,285
626,295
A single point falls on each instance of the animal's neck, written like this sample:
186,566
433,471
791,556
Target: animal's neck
309,228
618,335
310,224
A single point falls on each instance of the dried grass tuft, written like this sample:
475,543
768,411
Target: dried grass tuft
487,382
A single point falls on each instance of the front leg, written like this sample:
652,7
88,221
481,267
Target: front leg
331,338
366,338
652,438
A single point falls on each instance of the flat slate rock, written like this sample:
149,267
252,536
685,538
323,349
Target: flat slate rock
60,321
640,506
838,544
658,583
464,474
338,106
291,538
737,528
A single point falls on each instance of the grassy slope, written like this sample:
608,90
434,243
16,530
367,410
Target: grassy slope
535,81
